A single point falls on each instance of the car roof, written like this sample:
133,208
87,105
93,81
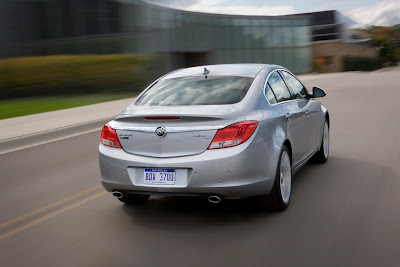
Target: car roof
246,70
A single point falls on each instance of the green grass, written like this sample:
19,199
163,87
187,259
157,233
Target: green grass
26,106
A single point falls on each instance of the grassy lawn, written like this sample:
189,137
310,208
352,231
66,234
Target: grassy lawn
26,106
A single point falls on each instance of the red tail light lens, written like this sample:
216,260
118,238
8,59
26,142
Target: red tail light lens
109,137
234,134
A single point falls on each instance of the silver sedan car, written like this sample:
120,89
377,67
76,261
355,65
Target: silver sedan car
218,131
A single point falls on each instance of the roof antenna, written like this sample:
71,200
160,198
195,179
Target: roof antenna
206,72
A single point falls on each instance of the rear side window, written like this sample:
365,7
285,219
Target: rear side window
296,86
216,90
270,95
277,84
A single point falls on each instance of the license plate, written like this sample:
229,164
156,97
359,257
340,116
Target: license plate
159,176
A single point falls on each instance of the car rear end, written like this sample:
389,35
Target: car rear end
189,135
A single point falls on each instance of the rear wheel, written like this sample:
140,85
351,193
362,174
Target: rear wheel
279,198
323,153
133,199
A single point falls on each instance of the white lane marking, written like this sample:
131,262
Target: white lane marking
50,141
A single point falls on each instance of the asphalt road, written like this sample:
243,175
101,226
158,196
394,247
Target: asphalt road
343,213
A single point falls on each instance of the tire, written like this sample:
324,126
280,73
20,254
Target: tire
279,198
323,153
132,199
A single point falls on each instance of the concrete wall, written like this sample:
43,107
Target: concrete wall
334,51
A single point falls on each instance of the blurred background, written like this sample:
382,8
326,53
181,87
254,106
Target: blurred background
59,54
63,53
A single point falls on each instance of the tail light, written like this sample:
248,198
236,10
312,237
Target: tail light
234,134
109,137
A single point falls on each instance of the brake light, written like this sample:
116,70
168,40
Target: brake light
109,137
234,134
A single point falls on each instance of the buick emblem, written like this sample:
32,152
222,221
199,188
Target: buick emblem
160,131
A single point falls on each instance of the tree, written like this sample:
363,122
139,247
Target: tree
384,38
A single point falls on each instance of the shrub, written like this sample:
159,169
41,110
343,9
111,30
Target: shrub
362,63
75,74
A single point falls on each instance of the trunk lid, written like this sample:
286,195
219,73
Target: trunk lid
188,130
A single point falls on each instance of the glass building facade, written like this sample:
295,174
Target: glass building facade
329,25
181,38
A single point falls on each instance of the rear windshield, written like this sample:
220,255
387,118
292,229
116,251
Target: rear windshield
196,91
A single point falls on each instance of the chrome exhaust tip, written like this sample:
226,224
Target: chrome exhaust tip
214,199
118,194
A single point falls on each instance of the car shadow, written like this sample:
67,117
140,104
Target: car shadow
193,212
313,181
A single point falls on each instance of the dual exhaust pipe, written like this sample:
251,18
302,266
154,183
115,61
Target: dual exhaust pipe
213,198
118,194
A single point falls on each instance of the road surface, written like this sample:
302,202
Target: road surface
343,213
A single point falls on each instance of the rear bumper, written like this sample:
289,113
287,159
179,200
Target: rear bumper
245,170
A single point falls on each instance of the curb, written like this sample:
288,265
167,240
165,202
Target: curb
26,141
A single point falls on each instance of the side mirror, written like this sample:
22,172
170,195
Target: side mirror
318,92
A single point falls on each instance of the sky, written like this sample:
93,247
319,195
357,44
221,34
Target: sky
364,12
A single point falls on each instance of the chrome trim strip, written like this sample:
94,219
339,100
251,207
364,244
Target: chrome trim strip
172,129
301,164
265,84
